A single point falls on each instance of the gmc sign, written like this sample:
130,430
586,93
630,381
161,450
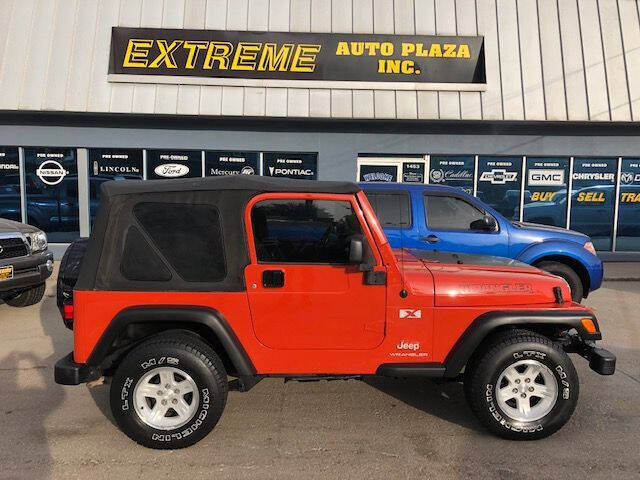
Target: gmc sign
545,178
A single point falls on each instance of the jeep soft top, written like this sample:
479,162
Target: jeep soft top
184,282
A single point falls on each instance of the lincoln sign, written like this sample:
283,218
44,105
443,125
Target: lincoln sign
415,62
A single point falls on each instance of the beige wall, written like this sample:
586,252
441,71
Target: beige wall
575,60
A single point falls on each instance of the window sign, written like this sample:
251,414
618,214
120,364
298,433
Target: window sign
111,164
10,184
499,184
452,170
545,199
163,164
593,199
628,238
303,166
51,183
231,163
378,173
413,172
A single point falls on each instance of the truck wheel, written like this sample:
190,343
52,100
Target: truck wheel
568,274
27,298
169,393
522,387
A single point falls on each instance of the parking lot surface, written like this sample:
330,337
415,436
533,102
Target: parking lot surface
390,429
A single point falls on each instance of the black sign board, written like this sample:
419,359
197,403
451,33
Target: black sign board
231,163
163,164
593,199
413,172
452,170
499,184
297,56
628,238
119,164
302,166
10,184
51,183
378,173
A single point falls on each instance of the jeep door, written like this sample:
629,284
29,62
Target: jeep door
303,291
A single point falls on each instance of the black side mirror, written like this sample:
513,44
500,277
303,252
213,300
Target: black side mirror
484,224
356,250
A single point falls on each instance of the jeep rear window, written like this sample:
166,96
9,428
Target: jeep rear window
188,236
304,231
392,208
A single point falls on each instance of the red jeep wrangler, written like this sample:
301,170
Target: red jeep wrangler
186,282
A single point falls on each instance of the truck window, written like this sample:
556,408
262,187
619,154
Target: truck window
392,208
304,231
450,213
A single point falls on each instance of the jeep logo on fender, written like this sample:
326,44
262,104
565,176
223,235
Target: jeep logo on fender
413,346
171,170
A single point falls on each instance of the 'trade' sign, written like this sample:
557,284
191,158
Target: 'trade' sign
403,61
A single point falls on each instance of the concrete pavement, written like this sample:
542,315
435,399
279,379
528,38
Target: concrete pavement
387,429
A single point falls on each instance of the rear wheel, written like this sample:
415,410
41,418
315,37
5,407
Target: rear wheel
522,387
169,392
568,274
27,297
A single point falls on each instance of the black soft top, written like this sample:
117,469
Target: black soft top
249,183
179,235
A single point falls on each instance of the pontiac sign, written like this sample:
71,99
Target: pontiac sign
277,58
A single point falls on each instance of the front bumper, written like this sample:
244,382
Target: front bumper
600,360
28,271
68,372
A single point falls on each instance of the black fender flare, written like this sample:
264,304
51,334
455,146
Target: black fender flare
188,314
488,322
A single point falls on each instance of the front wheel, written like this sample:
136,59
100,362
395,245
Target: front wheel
28,297
169,392
523,387
568,274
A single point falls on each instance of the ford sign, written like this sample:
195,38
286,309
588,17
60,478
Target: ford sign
171,170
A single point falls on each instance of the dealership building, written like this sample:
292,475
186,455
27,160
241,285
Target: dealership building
532,105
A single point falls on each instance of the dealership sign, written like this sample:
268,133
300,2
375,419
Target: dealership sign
231,163
303,166
174,164
410,62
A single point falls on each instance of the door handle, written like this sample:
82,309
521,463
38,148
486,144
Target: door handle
430,239
273,279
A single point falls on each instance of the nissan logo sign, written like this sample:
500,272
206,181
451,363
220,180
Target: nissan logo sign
51,172
171,170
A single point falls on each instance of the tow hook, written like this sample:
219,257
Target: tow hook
601,361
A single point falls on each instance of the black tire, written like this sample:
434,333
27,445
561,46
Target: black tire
193,357
509,349
568,274
27,297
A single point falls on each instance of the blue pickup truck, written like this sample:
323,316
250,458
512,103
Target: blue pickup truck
434,217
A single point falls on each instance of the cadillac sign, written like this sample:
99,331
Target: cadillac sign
411,62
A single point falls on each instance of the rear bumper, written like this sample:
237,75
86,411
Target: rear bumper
68,372
28,271
600,360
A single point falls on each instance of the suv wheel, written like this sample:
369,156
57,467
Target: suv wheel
522,386
27,298
568,274
169,392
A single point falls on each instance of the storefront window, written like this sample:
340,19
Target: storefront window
499,184
413,172
452,170
111,164
593,199
378,173
303,166
218,164
10,184
51,183
163,164
628,238
545,196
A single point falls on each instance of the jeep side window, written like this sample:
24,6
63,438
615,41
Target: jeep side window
304,231
450,213
392,208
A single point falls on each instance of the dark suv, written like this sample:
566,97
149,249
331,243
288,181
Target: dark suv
25,263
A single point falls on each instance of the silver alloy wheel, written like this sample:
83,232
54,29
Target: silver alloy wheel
166,398
527,390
